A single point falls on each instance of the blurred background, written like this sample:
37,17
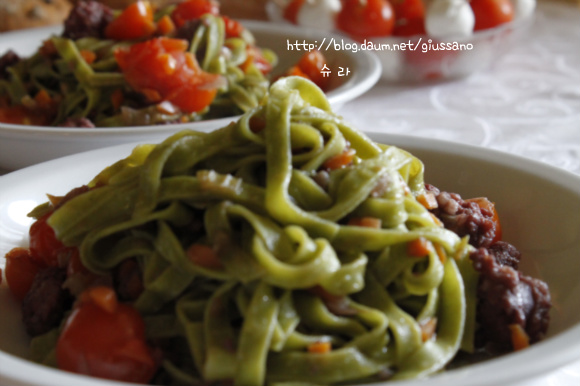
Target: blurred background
20,14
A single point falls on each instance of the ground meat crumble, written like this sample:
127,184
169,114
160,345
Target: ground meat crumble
505,295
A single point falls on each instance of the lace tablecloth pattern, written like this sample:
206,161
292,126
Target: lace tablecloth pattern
527,104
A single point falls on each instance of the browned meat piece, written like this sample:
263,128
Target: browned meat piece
506,296
505,254
466,218
44,305
128,280
187,30
9,59
87,19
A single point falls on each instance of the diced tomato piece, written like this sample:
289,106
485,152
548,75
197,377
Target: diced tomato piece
20,115
165,25
192,10
20,271
135,22
163,66
104,338
234,28
44,246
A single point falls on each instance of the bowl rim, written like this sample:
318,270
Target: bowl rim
367,75
539,359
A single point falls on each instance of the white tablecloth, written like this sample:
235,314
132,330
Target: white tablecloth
528,104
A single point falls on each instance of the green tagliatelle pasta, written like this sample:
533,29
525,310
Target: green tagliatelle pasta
282,240
98,90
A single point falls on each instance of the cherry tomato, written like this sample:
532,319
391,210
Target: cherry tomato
20,271
410,17
192,10
135,22
106,339
310,66
491,13
162,67
291,11
45,248
365,19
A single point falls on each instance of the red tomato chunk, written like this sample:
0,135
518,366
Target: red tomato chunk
106,339
162,70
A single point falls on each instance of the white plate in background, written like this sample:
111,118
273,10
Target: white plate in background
22,145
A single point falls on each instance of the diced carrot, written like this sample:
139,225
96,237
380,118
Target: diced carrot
88,56
319,347
165,26
440,253
340,160
436,220
428,200
117,99
370,222
296,71
43,99
428,327
519,337
204,256
102,296
419,247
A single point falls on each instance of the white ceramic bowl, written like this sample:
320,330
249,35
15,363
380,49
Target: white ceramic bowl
22,146
422,58
431,59
538,206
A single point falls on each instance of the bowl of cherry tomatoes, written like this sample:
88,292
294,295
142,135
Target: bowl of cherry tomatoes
417,40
